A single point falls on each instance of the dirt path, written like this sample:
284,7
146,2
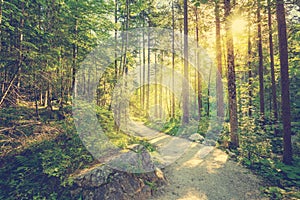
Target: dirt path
213,177
204,172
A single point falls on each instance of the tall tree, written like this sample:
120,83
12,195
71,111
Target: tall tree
231,77
144,66
260,65
116,38
274,95
75,51
155,85
127,13
198,74
185,91
285,91
1,5
149,64
161,86
219,83
249,63
173,61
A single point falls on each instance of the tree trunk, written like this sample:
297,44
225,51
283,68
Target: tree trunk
46,99
36,97
15,95
125,66
144,69
61,82
49,97
285,92
199,94
74,62
1,4
260,66
141,77
161,86
249,68
149,62
274,95
41,97
116,39
198,77
155,86
185,91
208,92
231,78
173,61
219,83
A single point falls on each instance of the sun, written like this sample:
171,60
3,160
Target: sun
239,25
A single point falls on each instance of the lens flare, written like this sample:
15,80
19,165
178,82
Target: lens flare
239,26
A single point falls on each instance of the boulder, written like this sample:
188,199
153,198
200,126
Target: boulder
209,142
103,182
196,137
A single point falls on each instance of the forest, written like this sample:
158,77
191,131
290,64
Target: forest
151,90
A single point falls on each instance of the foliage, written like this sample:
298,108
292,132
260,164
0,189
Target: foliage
259,150
42,44
42,169
117,137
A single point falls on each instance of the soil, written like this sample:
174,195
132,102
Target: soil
213,177
201,172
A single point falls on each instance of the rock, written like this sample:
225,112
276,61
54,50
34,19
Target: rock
137,160
102,182
196,137
209,142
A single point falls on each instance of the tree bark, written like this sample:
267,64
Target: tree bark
161,86
198,75
249,68
116,40
231,78
49,97
61,81
260,66
74,61
274,95
155,86
185,91
149,62
219,83
208,92
125,67
144,69
1,4
285,92
173,61
36,97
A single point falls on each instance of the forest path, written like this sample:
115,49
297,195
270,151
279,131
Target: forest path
204,172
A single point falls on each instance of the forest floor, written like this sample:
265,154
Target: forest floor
203,172
213,177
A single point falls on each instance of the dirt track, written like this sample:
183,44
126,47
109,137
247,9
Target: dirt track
201,172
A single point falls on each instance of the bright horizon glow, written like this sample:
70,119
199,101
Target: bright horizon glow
239,26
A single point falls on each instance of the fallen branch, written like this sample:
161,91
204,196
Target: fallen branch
16,127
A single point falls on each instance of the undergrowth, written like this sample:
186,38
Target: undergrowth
261,151
37,166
